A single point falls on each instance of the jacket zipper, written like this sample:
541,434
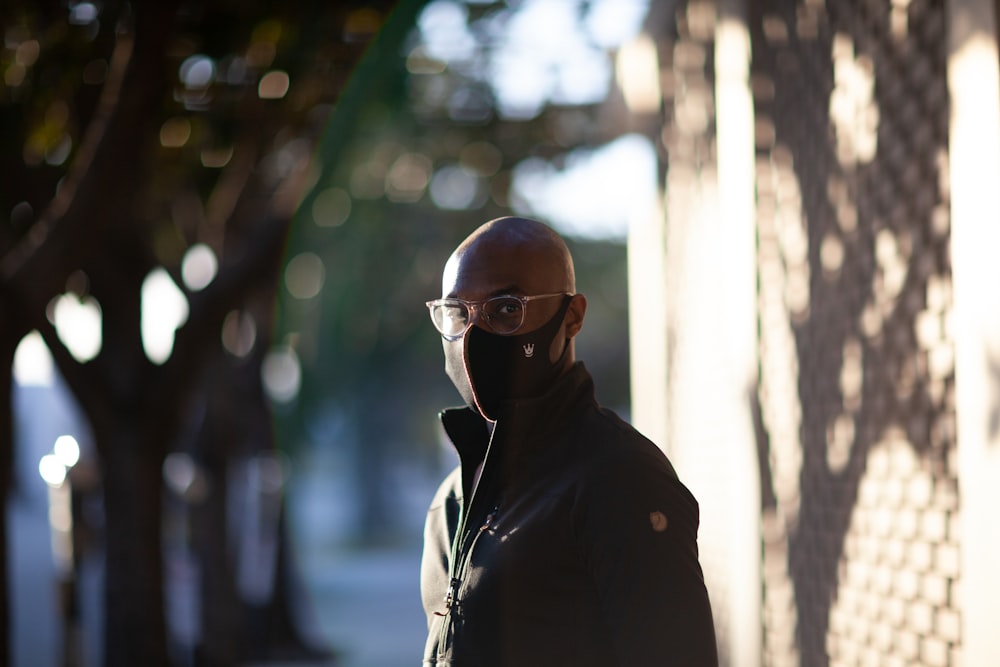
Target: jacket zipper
459,564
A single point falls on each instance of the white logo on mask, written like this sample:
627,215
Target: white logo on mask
529,350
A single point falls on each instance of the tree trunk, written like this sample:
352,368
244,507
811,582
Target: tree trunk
280,626
222,612
135,623
237,426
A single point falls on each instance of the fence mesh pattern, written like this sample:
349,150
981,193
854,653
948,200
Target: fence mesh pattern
853,406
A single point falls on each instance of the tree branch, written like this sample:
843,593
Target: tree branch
91,199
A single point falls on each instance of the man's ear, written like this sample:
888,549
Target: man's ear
574,315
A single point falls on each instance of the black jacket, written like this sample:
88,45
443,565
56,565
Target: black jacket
578,546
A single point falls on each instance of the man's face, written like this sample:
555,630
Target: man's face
486,366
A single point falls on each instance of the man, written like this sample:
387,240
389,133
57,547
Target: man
565,536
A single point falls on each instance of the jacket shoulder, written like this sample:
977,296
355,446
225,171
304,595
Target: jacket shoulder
616,443
449,491
615,458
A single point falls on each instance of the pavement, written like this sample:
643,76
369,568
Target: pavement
367,604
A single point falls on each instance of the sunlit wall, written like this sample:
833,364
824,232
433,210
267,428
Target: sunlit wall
861,432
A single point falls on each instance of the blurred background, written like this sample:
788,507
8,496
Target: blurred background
236,214
218,384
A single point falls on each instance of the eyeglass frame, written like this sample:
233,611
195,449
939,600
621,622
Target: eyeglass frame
475,309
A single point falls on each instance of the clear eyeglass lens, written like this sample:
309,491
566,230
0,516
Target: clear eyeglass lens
504,313
451,318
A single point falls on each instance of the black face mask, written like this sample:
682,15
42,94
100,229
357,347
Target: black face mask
488,369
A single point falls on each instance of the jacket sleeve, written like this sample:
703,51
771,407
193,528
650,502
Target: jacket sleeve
439,531
639,536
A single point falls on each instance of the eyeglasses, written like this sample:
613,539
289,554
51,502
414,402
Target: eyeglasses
505,314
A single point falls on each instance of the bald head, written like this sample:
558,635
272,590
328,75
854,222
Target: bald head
520,255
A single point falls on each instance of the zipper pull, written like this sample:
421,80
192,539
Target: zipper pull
489,519
450,598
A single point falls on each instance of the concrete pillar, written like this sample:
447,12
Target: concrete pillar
974,87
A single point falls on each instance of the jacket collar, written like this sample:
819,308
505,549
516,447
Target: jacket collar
525,426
